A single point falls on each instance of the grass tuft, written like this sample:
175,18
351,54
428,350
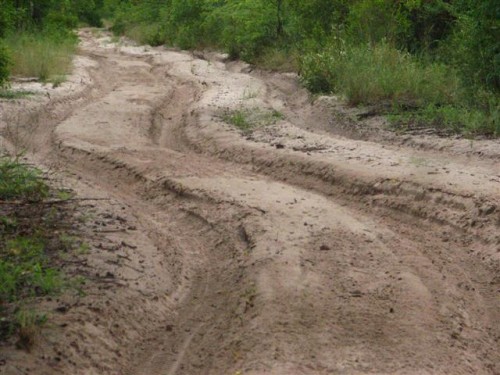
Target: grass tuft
42,56
34,238
246,119
19,181
14,94
28,324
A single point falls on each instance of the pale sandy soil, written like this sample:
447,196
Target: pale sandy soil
306,246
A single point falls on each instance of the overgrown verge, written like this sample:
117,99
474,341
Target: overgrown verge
415,93
426,64
248,119
36,236
37,37
45,56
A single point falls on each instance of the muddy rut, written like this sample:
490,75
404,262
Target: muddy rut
289,249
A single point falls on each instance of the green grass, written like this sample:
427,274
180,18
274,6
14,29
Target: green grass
371,75
277,60
34,238
414,92
19,181
146,34
43,56
15,94
24,271
449,119
28,324
246,119
238,118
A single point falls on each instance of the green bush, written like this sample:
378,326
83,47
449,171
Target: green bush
44,55
431,59
375,20
474,47
18,181
5,64
378,74
146,34
249,26
23,272
452,118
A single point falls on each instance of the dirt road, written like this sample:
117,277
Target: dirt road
301,247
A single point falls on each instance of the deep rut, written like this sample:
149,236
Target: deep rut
284,251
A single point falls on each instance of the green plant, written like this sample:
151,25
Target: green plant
64,195
369,75
246,119
42,55
23,271
19,181
238,119
5,64
32,235
67,242
17,94
151,34
28,324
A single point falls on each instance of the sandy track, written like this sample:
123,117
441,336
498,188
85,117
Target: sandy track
290,250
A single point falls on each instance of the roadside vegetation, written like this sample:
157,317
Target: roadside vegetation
37,37
246,120
424,63
34,226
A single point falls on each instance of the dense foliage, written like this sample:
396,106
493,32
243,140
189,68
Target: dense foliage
4,64
423,56
438,59
39,36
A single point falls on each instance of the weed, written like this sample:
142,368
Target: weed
147,34
248,119
32,234
238,119
278,60
41,55
23,270
13,94
57,80
67,242
370,75
28,324
414,92
19,181
83,249
64,195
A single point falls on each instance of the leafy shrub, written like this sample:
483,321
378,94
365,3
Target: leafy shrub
18,181
146,34
452,118
376,20
474,47
43,55
22,270
244,27
378,74
5,63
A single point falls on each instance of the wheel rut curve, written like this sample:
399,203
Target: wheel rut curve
287,262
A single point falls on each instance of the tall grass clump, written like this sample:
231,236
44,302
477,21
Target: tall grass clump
19,181
414,91
151,34
43,55
35,237
366,74
5,64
